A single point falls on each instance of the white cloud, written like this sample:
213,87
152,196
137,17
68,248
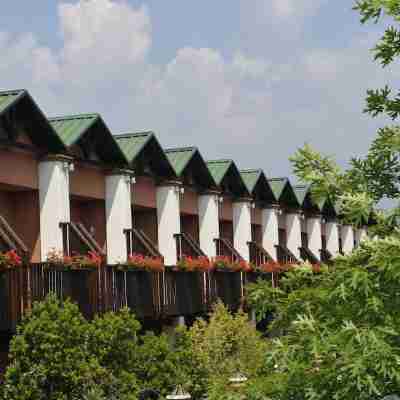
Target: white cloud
250,107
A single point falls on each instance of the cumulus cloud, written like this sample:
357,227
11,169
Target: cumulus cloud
249,106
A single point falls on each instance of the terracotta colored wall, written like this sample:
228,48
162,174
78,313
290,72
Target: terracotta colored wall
189,202
190,225
27,221
92,214
144,192
226,212
146,220
21,210
256,216
226,230
87,181
18,168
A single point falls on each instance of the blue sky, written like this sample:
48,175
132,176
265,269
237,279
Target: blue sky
250,80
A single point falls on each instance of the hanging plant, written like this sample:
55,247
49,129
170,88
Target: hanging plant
224,263
141,262
91,260
9,260
192,264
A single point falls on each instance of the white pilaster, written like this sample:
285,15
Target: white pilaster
242,227
169,221
54,203
332,237
270,230
361,234
118,215
314,232
293,232
347,238
208,222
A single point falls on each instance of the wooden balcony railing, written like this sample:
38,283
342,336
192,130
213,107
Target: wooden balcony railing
225,248
258,255
187,246
76,232
285,256
138,242
10,237
307,255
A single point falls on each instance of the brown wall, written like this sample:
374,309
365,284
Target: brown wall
87,181
21,210
226,212
226,230
144,192
256,233
189,202
190,225
256,216
146,220
18,168
92,214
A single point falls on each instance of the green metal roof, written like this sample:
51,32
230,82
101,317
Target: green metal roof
36,124
218,169
278,186
7,98
180,158
71,128
132,144
250,178
301,192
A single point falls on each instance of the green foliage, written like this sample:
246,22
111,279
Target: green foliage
50,358
223,346
338,330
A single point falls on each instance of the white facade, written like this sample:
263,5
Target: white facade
242,227
314,232
169,221
361,234
118,215
332,237
270,230
347,233
54,203
293,232
208,223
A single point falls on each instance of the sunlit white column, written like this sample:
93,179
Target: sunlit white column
270,229
347,232
242,227
293,231
209,222
54,202
314,232
332,237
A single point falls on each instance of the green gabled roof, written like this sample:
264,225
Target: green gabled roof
180,158
139,146
132,144
278,185
34,121
8,98
218,169
73,128
250,178
301,192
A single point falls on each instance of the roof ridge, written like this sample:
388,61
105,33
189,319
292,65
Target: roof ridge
223,160
74,116
178,149
248,171
133,134
15,91
282,178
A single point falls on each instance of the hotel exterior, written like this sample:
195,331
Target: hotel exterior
68,186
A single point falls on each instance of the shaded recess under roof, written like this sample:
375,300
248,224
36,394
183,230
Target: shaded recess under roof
19,112
283,192
145,155
258,186
90,134
190,167
227,177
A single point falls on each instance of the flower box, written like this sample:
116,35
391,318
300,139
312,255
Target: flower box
194,264
223,263
139,262
10,260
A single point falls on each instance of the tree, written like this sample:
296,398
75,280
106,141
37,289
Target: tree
336,332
